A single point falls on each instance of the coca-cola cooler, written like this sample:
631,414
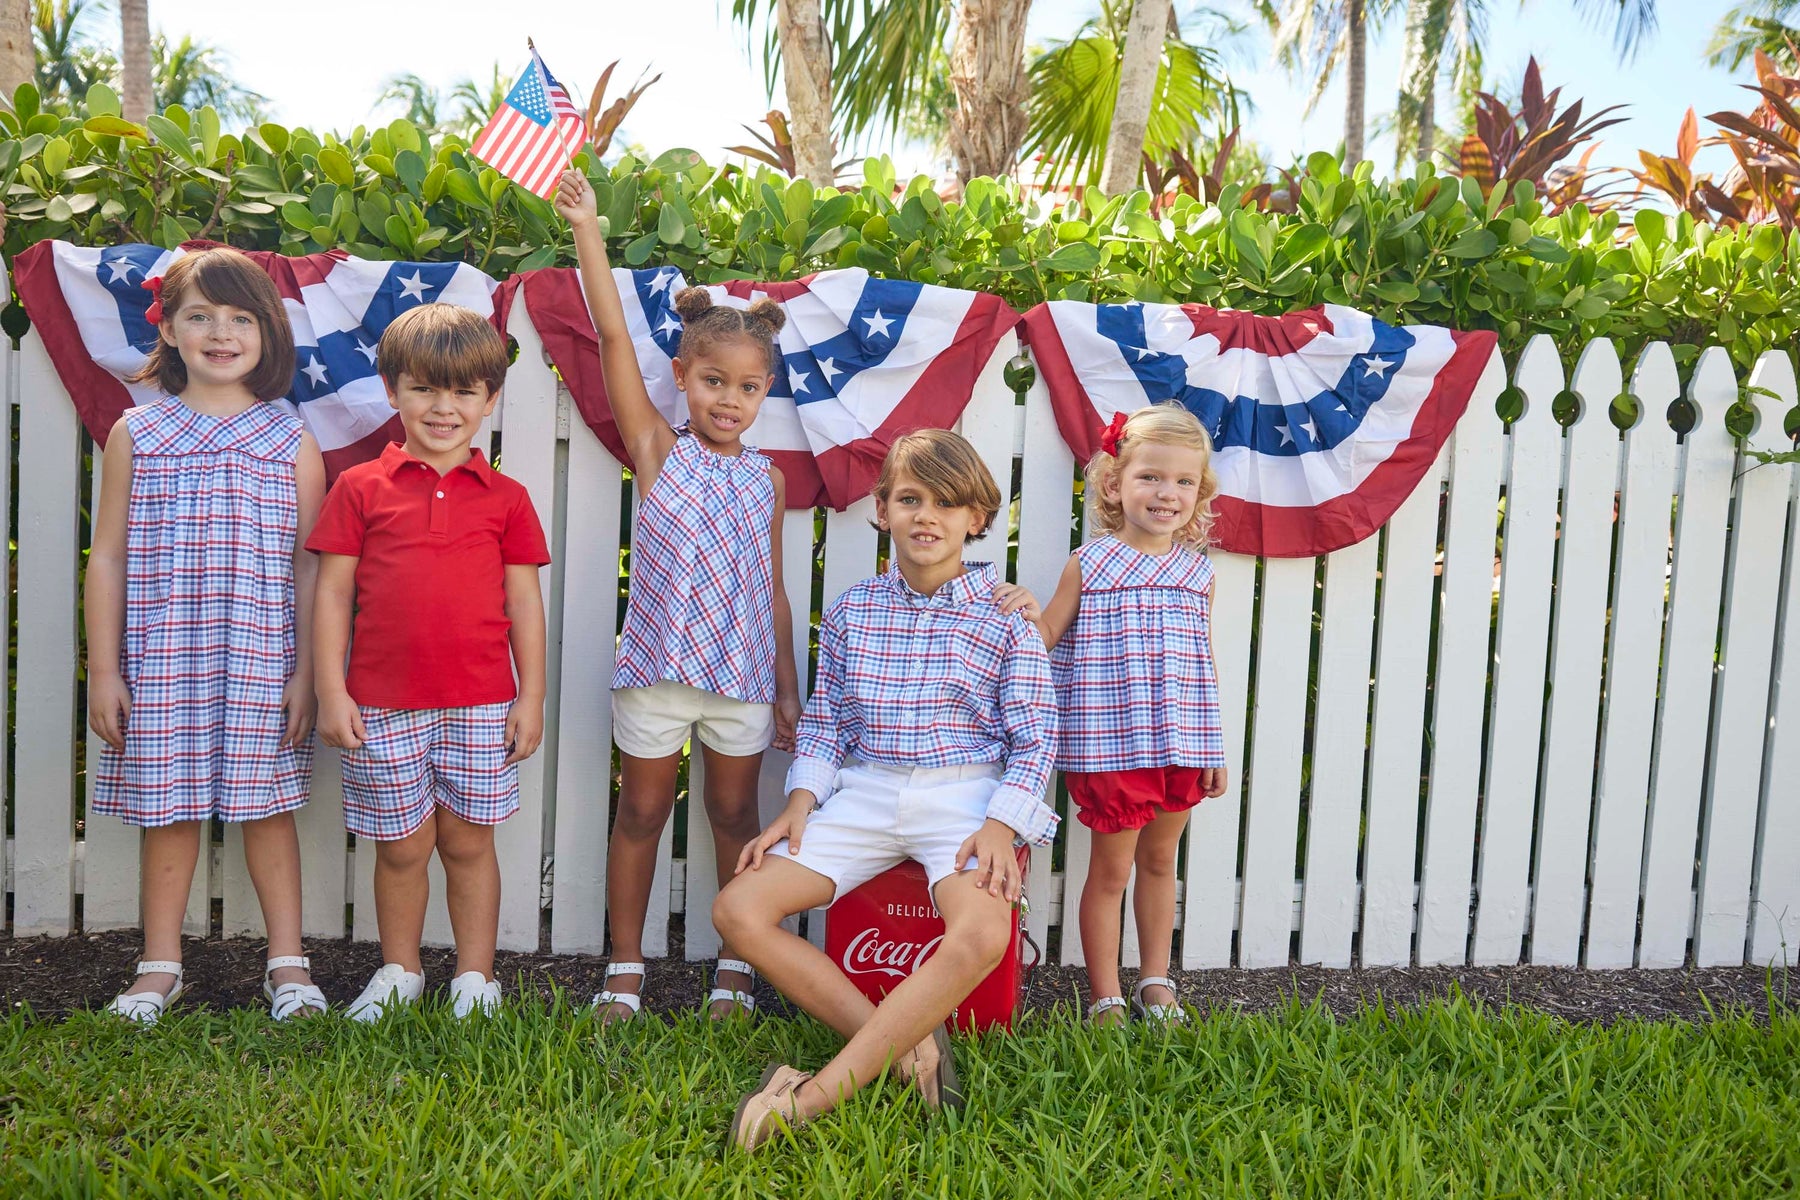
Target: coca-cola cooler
883,930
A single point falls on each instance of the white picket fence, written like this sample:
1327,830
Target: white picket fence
1588,758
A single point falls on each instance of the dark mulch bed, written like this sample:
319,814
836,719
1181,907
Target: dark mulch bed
56,976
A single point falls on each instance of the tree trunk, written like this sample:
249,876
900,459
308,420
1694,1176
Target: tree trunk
18,60
1137,91
134,59
806,75
1428,123
987,69
1355,82
1416,107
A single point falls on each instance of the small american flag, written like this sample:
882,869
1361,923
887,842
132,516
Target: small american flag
534,134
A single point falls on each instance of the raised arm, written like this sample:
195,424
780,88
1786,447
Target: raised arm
647,435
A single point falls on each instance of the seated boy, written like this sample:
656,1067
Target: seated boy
437,555
929,736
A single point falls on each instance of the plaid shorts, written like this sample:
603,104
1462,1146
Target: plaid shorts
418,758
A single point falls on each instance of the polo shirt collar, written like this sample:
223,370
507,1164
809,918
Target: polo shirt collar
394,456
977,582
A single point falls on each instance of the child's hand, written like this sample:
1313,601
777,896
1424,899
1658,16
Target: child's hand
301,707
574,198
1213,781
341,723
1012,598
524,729
996,868
787,720
109,708
790,825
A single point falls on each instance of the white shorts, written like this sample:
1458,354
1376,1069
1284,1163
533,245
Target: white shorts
881,815
655,721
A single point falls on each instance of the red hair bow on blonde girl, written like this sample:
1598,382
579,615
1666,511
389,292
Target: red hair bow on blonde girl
154,314
1113,434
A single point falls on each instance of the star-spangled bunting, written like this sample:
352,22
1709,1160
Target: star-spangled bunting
88,303
1323,421
862,361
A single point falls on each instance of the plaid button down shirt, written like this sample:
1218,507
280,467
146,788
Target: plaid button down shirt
933,681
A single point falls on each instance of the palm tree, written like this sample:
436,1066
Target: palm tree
1074,125
422,101
68,61
1435,28
134,59
886,61
193,75
1139,62
1766,25
1314,36
17,62
806,78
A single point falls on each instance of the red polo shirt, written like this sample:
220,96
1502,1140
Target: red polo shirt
431,628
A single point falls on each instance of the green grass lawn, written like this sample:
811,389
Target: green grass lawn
1451,1099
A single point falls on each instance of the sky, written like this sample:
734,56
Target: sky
712,84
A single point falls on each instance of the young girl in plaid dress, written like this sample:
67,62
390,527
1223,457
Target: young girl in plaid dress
707,646
197,601
1131,652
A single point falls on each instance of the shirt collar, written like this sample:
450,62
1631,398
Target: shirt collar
394,456
977,582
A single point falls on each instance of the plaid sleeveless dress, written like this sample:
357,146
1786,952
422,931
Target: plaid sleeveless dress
209,620
1134,675
702,603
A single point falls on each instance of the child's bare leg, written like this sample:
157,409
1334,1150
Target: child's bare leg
471,889
272,856
168,856
748,914
977,930
401,889
1102,908
1153,903
646,797
731,787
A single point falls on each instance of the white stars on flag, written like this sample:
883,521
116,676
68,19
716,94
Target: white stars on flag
315,371
831,370
878,324
1376,365
366,350
121,269
414,288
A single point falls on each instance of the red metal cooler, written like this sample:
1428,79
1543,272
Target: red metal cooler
884,929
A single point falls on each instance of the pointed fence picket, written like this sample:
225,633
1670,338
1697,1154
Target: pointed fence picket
1400,791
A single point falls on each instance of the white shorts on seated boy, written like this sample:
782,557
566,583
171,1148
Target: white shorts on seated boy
880,815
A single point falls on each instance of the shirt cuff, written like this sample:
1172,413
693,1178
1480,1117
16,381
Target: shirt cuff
1024,811
816,775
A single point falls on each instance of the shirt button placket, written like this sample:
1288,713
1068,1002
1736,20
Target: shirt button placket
440,511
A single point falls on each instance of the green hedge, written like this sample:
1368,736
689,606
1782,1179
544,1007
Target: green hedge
1426,249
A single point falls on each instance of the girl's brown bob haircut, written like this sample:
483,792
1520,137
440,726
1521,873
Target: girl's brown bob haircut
442,345
949,469
223,276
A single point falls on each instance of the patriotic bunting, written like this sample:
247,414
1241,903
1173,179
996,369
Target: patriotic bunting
1323,421
863,361
88,305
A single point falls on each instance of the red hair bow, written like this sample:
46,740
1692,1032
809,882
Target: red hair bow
154,314
1113,435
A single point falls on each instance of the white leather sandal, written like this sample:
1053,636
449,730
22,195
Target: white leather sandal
630,1000
1167,1014
147,1007
744,1000
286,999
1103,1005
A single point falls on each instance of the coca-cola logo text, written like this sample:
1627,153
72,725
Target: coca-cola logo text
871,954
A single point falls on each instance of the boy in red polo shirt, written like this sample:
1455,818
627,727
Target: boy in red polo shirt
437,555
